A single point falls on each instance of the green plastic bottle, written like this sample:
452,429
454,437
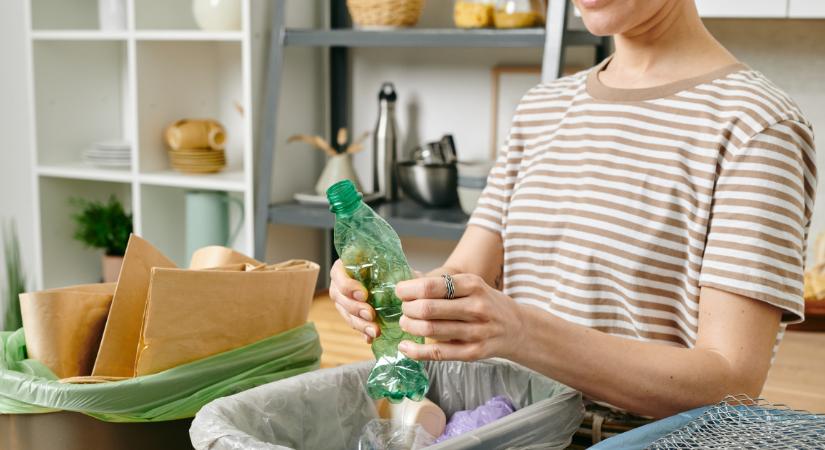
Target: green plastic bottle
371,253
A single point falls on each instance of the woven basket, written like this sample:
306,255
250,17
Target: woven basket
385,13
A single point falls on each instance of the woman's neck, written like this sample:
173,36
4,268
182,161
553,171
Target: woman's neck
670,46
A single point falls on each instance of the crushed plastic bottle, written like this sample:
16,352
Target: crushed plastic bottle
371,253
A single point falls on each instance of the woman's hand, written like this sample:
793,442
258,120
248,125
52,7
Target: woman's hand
350,299
480,322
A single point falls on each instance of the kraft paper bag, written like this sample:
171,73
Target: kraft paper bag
192,314
217,256
116,357
63,326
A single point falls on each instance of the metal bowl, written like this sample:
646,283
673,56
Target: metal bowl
429,184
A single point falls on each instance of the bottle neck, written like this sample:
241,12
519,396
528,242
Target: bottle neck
343,198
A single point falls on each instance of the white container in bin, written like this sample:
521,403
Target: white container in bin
328,409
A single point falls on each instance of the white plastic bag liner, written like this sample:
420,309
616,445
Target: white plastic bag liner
328,409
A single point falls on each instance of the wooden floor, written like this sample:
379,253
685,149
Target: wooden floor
341,344
797,377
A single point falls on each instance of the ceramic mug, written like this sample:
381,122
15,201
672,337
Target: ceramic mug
207,219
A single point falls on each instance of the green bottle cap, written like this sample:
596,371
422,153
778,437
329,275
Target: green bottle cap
343,198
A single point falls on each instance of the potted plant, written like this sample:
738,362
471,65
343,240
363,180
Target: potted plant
106,226
15,278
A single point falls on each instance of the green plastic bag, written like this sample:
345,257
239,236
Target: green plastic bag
29,387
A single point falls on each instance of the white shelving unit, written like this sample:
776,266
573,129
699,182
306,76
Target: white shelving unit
92,85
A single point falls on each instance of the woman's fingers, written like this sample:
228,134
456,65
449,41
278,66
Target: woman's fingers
443,351
369,329
355,308
464,309
445,330
436,287
346,285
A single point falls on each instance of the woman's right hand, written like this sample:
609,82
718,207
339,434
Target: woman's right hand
350,299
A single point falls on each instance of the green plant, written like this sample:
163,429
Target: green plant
103,225
15,277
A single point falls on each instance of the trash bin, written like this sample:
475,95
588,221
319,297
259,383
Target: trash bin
152,411
328,409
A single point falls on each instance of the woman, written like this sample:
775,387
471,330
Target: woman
642,238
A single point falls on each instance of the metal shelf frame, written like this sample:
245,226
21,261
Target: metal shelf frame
408,219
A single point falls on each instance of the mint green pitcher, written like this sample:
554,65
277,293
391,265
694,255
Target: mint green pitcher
207,219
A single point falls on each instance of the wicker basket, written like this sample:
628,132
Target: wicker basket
385,13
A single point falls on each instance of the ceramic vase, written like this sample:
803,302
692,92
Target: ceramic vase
339,167
217,15
111,267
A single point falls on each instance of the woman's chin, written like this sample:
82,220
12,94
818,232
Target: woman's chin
601,26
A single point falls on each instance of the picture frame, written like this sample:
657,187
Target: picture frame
509,83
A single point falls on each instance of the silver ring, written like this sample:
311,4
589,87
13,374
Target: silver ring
448,281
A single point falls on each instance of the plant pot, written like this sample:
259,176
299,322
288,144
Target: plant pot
111,268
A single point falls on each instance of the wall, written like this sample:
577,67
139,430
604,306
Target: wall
15,162
449,90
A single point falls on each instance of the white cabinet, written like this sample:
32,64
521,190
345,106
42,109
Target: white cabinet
746,8
806,9
92,85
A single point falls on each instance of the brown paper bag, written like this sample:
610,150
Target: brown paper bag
63,326
192,314
217,256
118,347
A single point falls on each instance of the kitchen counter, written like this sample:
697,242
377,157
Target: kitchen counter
797,377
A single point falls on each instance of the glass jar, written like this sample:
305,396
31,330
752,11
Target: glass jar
473,13
517,14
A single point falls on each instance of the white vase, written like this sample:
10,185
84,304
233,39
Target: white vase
112,14
339,167
217,15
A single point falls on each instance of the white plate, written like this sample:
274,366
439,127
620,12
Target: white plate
113,145
101,163
311,198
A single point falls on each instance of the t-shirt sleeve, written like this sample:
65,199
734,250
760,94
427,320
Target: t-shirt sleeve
759,220
491,211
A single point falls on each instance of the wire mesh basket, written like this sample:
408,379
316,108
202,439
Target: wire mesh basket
739,422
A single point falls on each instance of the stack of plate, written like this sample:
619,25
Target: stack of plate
197,160
111,154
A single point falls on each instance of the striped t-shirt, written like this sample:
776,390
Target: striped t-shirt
615,206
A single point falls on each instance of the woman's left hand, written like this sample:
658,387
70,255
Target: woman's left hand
480,322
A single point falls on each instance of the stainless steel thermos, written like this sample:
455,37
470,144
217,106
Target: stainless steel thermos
385,145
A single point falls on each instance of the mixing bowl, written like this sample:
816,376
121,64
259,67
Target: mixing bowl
429,184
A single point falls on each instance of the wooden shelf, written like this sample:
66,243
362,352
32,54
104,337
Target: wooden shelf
80,171
228,180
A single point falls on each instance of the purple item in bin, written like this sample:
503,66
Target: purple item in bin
465,421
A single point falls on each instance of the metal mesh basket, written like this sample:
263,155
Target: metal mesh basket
739,422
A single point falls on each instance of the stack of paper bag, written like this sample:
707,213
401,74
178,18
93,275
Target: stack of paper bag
162,316
192,314
63,326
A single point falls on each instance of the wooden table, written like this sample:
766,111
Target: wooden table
797,377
